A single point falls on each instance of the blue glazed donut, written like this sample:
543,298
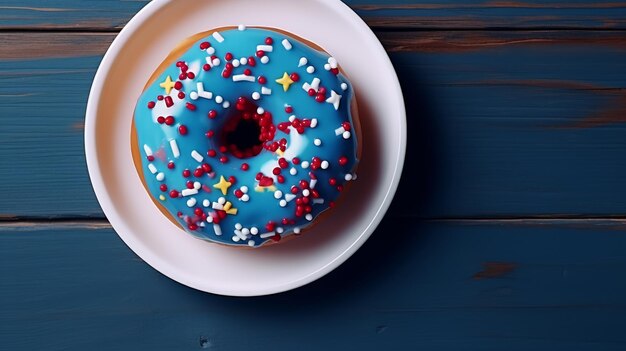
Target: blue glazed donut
247,137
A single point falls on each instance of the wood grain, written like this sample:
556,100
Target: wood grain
501,124
107,15
75,289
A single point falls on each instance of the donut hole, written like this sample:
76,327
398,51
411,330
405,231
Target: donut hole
245,131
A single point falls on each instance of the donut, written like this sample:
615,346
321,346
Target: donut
245,136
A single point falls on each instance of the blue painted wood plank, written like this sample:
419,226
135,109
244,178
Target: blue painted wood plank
489,285
113,14
500,123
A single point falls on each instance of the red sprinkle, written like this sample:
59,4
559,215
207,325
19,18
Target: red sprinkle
191,106
191,75
178,85
320,98
311,92
169,120
288,109
232,179
245,166
269,41
260,53
262,80
206,67
199,172
186,173
168,101
343,161
210,134
247,72
183,130
295,77
204,45
212,114
211,153
346,125
251,61
238,193
151,104
171,165
150,158
228,56
181,95
163,187
160,119
173,194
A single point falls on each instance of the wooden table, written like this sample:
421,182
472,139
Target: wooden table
508,231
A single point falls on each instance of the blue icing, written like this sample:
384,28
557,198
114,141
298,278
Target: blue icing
263,206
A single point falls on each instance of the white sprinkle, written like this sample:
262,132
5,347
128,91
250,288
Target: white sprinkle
293,171
238,226
265,59
218,37
160,177
147,150
314,123
267,235
318,201
243,61
332,62
244,189
308,217
312,183
290,197
236,63
221,200
256,95
303,61
202,224
310,69
152,169
189,192
344,86
260,111
346,135
296,230
197,185
193,95
209,219
245,198
287,45
245,231
243,77
254,230
251,243
305,164
206,203
278,194
191,202
216,62
217,229
242,27
217,206
202,93
327,67
219,99
292,118
235,238
174,147
317,142
226,104
196,156
339,131
266,48
279,230
282,203
348,177
306,192
266,91
334,99
210,50
325,164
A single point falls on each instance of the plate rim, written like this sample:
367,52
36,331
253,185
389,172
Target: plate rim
117,221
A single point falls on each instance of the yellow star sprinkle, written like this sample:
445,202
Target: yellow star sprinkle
168,85
223,185
285,81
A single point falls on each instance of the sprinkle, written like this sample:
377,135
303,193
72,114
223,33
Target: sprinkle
236,238
244,189
308,217
245,198
339,131
318,201
242,27
327,67
236,63
346,135
292,118
312,183
217,229
162,197
278,194
279,230
287,45
238,226
193,95
147,150
314,123
217,206
282,203
305,164
306,192
251,243
344,86
293,171
265,59
254,230
210,50
219,99
226,104
202,93
206,203
174,146
266,48
260,110
266,91
317,142
324,164
256,95
303,61
243,77
189,192
296,230
243,61
152,169
348,177
191,202
310,69
218,37
315,84
334,99
197,185
290,197
333,62
160,177
221,201
209,219
196,156
267,235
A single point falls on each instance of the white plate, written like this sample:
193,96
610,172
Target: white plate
125,68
